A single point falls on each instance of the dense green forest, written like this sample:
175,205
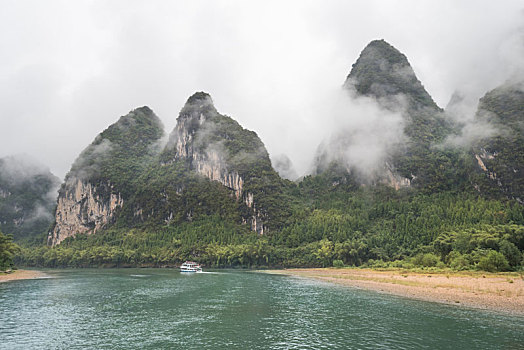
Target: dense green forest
8,250
365,227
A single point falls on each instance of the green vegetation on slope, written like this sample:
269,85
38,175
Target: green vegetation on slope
502,153
27,198
7,251
382,71
120,152
355,227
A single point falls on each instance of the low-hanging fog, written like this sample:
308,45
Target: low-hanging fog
70,69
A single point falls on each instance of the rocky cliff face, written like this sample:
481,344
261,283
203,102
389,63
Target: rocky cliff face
82,208
391,178
194,141
101,179
218,148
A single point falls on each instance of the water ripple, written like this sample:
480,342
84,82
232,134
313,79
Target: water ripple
162,309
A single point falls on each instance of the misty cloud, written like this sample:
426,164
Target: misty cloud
22,173
41,212
473,126
212,138
283,165
476,124
87,165
73,67
21,168
365,134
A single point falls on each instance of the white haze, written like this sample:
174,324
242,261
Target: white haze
20,169
68,69
362,132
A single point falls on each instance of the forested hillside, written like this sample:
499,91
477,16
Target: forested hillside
210,193
500,156
27,198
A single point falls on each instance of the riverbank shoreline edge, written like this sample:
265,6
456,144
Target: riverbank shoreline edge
21,275
487,291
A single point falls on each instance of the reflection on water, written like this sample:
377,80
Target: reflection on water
163,309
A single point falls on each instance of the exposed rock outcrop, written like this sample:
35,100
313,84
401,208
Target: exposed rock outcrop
214,168
100,180
218,148
393,179
83,208
4,193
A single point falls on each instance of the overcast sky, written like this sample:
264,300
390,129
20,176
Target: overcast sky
69,69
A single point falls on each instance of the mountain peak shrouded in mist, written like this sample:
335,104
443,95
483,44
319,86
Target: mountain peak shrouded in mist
391,124
500,155
382,71
198,103
199,96
18,167
28,193
506,105
140,119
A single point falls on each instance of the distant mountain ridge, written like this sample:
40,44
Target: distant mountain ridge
27,197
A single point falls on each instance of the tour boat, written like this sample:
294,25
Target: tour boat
190,266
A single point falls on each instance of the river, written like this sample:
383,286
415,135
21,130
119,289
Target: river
163,309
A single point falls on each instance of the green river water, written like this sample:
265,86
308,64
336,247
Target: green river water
163,309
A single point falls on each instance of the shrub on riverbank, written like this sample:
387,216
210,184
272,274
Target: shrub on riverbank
7,251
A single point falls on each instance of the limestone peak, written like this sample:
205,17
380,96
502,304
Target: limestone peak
382,71
199,96
197,104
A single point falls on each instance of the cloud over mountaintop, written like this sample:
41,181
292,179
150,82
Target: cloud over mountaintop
72,66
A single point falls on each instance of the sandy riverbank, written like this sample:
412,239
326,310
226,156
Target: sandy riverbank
21,275
501,292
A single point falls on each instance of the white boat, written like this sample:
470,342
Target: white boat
190,266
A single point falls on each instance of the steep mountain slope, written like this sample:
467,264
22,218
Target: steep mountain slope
383,75
384,72
28,193
241,184
500,158
210,166
104,176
